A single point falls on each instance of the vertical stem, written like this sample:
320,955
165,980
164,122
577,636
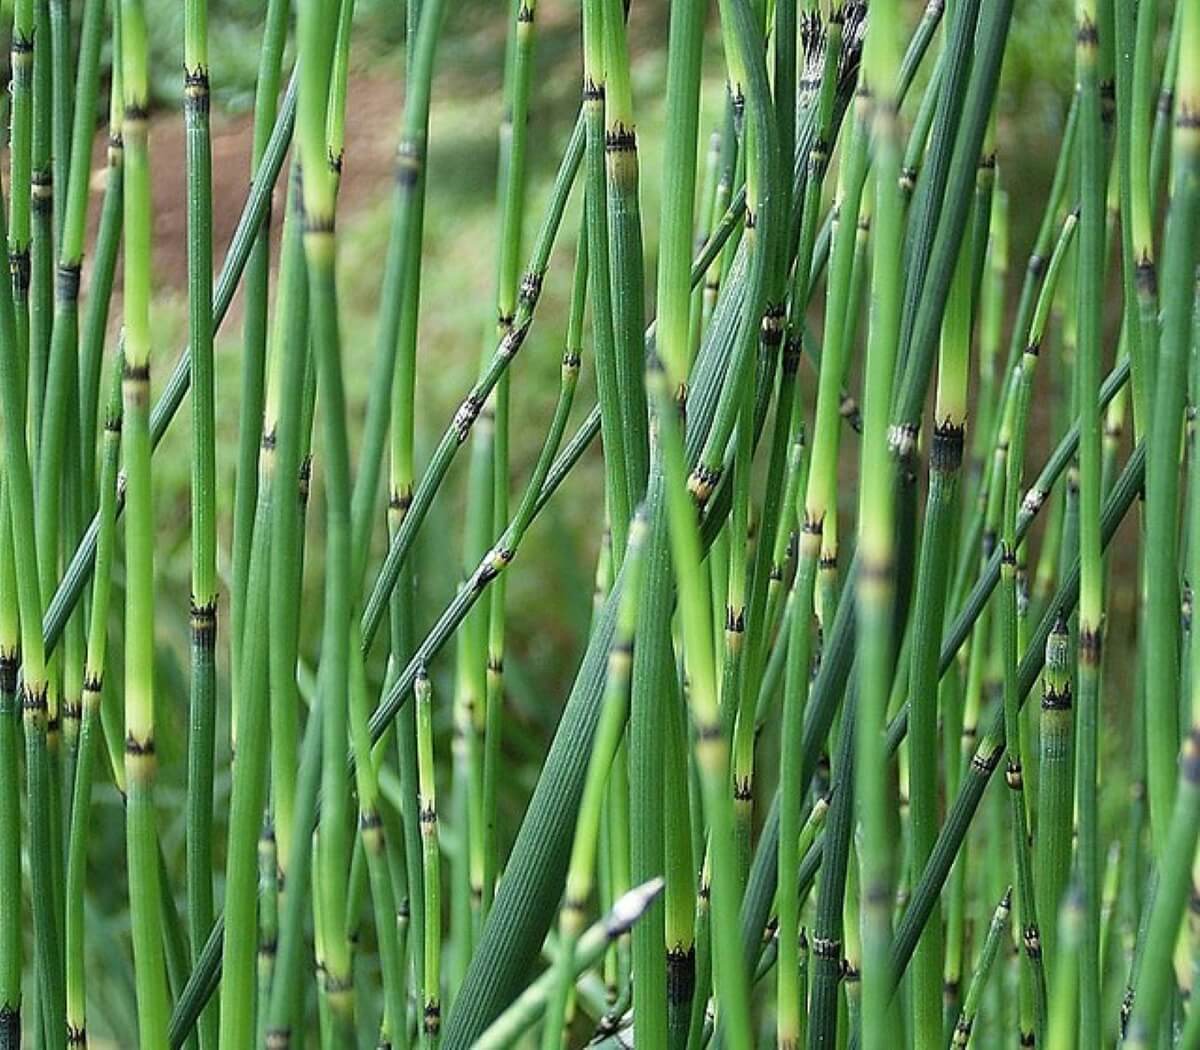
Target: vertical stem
202,717
1163,646
140,759
319,190
20,174
513,191
1176,846
608,371
431,1008
941,516
1055,812
254,347
877,575
93,686
10,790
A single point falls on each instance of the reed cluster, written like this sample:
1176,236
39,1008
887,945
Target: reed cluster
825,586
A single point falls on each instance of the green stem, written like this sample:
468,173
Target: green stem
140,760
202,718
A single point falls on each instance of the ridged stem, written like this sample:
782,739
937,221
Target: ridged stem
140,758
202,717
1162,648
876,544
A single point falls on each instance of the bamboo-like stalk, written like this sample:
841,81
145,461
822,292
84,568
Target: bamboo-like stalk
46,423
42,257
941,512
666,385
202,717
1130,341
595,103
1175,849
250,714
918,137
10,802
470,695
63,98
710,213
290,368
826,1014
480,651
431,1007
319,191
1013,436
403,422
20,172
620,356
625,240
1138,207
1162,591
726,165
1162,647
877,579
1164,108
1055,788
1153,989
140,758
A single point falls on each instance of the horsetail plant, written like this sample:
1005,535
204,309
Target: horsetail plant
1087,371
202,719
877,579
140,755
822,630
